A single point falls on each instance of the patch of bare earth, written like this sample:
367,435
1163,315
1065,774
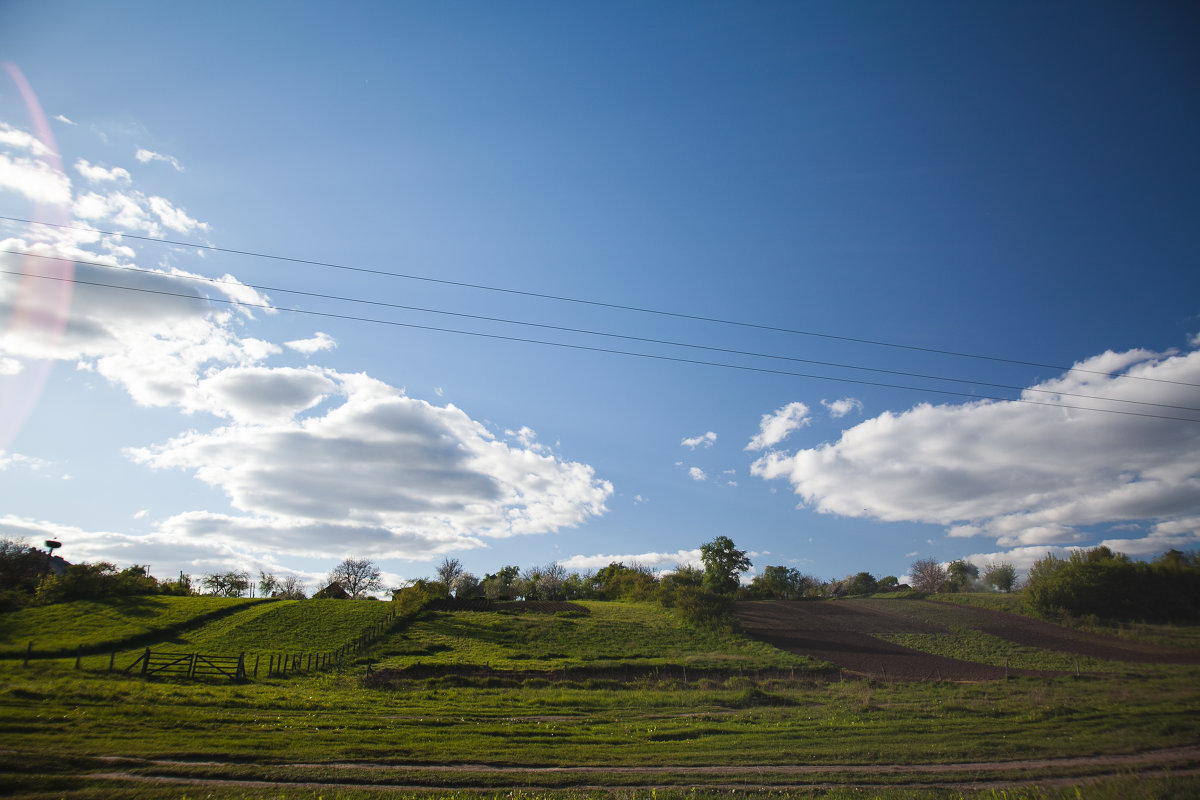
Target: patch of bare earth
1034,633
842,632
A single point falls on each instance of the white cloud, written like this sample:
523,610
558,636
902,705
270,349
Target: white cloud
142,514
262,394
320,341
1026,475
703,440
697,474
660,560
37,180
774,428
22,140
98,174
134,211
403,476
10,366
145,156
32,463
840,408
61,118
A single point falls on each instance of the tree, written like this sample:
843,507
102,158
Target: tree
861,583
227,584
290,588
448,571
267,584
782,583
21,568
619,582
960,576
723,563
1000,574
550,581
927,575
467,585
358,576
500,586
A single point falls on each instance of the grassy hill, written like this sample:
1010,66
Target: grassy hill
205,624
114,623
610,636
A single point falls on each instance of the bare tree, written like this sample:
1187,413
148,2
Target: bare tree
928,575
291,588
550,581
448,571
358,576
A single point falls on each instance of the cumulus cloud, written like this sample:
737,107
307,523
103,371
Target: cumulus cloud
653,560
319,341
775,427
1026,475
96,174
697,474
26,169
840,408
703,440
145,156
61,118
408,477
313,462
262,394
135,211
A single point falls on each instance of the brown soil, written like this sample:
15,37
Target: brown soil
840,632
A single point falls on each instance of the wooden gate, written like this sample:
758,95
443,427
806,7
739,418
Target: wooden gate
191,665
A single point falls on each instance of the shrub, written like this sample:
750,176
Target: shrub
1109,585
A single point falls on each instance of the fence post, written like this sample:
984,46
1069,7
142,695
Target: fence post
28,653
241,668
192,666
78,654
256,658
146,662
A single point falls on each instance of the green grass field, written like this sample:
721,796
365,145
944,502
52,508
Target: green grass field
63,627
609,636
90,733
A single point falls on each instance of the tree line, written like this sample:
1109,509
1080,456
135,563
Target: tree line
1096,582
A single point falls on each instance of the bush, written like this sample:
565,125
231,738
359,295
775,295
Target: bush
95,581
1109,585
704,608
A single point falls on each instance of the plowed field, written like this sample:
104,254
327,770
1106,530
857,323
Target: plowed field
846,633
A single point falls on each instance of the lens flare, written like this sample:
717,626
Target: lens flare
38,300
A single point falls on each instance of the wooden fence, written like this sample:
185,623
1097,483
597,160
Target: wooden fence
235,667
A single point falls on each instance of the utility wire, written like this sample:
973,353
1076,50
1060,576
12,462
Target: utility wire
582,301
626,337
674,359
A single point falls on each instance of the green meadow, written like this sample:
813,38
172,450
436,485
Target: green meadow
700,714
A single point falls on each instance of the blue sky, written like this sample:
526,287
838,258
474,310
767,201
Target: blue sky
1016,181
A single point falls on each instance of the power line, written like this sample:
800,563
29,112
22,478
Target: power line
674,359
626,337
583,301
